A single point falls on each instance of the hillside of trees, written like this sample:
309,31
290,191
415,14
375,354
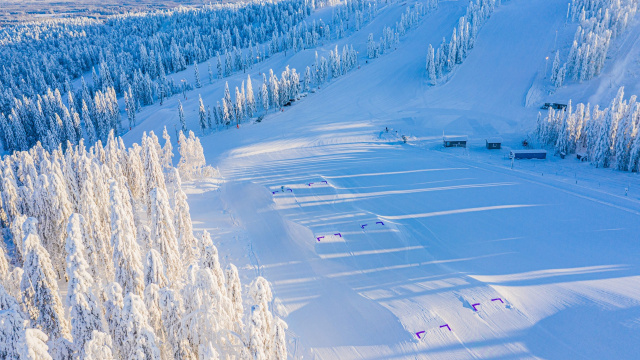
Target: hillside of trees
112,225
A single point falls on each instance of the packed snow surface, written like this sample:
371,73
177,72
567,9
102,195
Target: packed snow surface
380,249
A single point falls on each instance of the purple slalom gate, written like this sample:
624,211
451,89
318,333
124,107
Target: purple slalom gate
420,332
324,181
338,234
362,226
497,299
380,222
320,237
445,325
474,306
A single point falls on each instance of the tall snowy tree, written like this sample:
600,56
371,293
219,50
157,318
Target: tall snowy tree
431,65
154,269
203,115
234,291
261,294
126,252
86,315
197,75
40,290
210,72
18,341
250,99
183,124
100,347
139,340
163,233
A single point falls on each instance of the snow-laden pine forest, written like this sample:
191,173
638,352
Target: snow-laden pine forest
269,180
105,263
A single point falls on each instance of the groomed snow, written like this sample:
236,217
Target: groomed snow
556,241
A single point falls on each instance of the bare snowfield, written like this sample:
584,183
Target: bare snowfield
378,249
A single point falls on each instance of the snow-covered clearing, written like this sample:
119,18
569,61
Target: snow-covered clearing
446,229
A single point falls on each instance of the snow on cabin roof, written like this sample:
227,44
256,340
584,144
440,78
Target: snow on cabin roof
455,137
494,140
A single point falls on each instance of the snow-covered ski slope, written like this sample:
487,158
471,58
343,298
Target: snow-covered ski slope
373,246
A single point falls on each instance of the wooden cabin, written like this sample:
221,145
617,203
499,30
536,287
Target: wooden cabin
528,154
455,141
494,143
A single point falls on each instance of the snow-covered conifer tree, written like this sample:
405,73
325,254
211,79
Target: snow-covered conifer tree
264,94
113,305
100,347
154,269
202,115
40,290
139,340
86,315
431,65
18,341
183,124
234,292
279,340
126,252
250,99
184,229
261,294
53,208
211,261
163,233
197,74
172,308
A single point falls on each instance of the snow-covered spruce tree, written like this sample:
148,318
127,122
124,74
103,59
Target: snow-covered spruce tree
431,65
279,340
167,151
206,311
139,340
152,302
555,69
126,251
184,229
197,74
192,164
53,208
209,259
86,315
234,292
261,294
154,177
256,335
100,347
210,71
17,340
10,199
202,115
4,267
163,233
97,231
183,124
39,288
113,304
264,94
171,306
250,99
10,279
154,269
